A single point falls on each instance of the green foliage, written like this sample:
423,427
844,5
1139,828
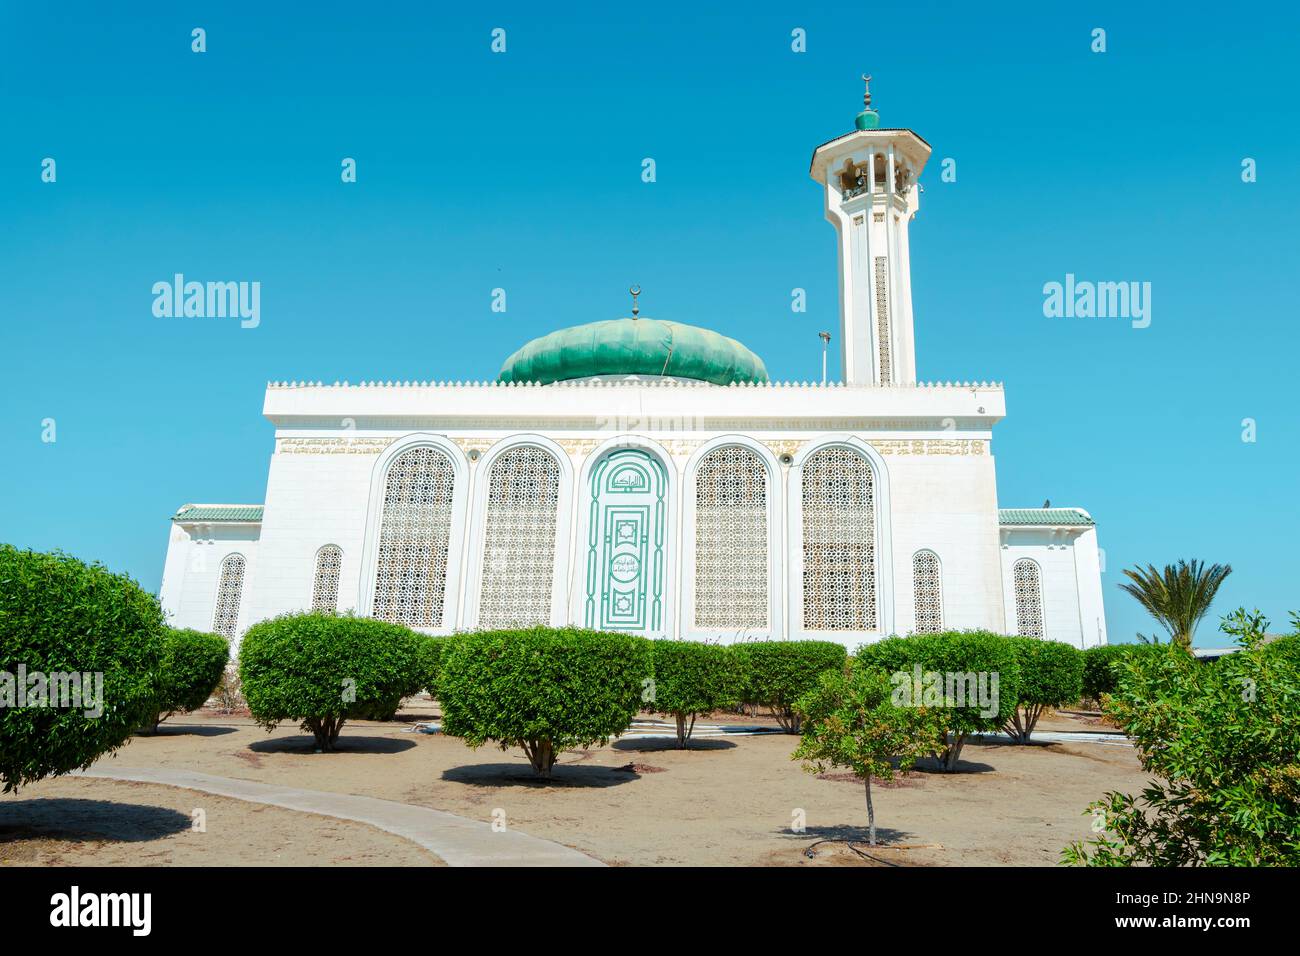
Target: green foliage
777,673
850,720
692,678
59,615
1223,744
324,669
1100,666
1177,597
951,655
1051,674
191,666
432,650
543,689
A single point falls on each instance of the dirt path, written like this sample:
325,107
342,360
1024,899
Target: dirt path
730,801
75,821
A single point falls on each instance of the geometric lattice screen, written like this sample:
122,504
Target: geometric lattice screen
927,592
230,586
731,539
325,589
839,541
523,504
1029,598
415,539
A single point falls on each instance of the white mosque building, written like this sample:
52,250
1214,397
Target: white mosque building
643,475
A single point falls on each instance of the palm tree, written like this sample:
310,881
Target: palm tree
1177,597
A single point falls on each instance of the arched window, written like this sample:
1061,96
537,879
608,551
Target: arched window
523,503
325,589
839,541
415,538
731,539
927,592
225,618
1029,598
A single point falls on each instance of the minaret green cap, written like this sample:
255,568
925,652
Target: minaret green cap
868,118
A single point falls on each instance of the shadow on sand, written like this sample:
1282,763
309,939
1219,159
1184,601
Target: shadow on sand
72,819
345,744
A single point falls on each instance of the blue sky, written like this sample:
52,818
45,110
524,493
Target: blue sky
522,170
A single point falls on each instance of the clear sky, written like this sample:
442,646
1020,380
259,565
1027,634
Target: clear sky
522,170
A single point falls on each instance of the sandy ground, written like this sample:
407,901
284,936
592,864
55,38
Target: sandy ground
70,821
725,802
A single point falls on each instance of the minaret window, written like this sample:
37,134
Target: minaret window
882,320
1029,598
230,587
523,502
325,586
415,538
731,560
927,592
839,541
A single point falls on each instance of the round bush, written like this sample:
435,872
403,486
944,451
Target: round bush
191,666
964,661
1051,674
692,678
324,669
543,689
778,673
61,617
1100,667
432,650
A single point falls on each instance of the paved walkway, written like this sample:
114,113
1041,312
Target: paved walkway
458,840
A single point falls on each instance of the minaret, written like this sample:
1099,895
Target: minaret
870,178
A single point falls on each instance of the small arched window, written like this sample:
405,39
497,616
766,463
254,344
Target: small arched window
523,504
927,592
839,541
1029,598
325,588
230,587
731,539
415,538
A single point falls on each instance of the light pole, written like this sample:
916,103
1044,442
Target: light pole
826,341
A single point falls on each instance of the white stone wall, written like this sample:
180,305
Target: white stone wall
1069,576
193,570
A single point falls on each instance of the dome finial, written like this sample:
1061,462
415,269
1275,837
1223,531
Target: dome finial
868,118
636,291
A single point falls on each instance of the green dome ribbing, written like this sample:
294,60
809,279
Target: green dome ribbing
634,347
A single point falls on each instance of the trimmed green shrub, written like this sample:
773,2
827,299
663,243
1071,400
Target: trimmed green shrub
543,689
1221,744
432,650
1100,674
191,666
690,679
777,673
61,617
1051,674
973,675
850,719
325,669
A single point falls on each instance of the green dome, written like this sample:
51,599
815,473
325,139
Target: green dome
634,347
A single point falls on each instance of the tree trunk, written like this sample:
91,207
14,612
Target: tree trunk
683,734
953,752
871,814
541,754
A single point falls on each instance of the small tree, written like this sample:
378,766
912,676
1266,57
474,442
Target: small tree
850,720
1051,674
951,669
1220,741
778,673
325,669
191,667
691,679
72,630
542,689
1177,597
